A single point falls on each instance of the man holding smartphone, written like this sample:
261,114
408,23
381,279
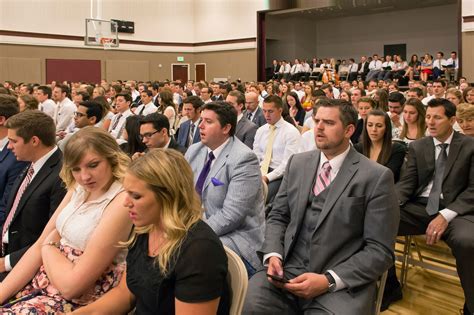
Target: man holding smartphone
331,234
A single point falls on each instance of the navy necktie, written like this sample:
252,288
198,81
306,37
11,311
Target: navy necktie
204,173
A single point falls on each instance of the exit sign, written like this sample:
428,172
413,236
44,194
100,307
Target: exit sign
180,58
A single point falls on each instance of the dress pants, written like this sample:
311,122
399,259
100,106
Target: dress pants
459,236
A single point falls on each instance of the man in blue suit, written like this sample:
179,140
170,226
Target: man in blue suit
189,130
10,168
228,179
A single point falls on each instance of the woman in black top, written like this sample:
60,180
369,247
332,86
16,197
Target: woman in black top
297,113
131,134
176,264
377,142
414,67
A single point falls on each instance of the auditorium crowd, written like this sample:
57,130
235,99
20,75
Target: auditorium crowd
124,195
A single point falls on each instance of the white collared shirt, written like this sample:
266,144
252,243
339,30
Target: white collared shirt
64,113
239,117
287,142
36,168
375,65
3,143
353,67
438,63
117,132
450,61
446,213
149,108
48,107
217,151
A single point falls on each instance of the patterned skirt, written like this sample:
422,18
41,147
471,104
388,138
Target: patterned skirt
46,299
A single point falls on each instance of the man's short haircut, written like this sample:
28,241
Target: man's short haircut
239,95
94,109
33,123
64,88
8,106
275,100
347,112
418,91
443,82
84,94
362,92
396,97
117,88
195,101
441,53
326,86
449,108
126,96
209,90
159,121
46,90
226,114
318,93
367,100
147,92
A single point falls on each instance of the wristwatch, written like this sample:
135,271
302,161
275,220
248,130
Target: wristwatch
332,282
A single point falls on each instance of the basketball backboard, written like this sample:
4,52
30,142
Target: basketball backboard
101,33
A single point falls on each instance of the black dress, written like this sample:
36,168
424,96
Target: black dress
197,273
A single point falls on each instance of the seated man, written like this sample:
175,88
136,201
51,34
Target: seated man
227,178
155,133
436,192
189,130
88,113
245,130
274,143
396,100
451,68
10,168
375,66
122,106
37,192
331,232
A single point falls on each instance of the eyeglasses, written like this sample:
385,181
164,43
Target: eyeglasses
79,114
148,135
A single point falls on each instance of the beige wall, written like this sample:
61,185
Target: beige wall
21,63
468,55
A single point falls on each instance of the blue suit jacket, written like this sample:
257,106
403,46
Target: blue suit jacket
10,169
184,132
232,197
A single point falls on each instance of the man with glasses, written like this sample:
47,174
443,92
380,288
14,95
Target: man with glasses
88,113
155,133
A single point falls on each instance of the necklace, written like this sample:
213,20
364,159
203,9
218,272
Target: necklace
154,243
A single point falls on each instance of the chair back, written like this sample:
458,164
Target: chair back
237,279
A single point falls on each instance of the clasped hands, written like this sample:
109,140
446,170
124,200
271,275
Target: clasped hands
307,285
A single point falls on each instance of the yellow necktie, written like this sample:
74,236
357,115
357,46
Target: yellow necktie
268,151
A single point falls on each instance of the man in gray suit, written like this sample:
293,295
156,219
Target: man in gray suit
227,177
331,234
245,129
253,112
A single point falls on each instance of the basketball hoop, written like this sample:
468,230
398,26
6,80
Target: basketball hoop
106,43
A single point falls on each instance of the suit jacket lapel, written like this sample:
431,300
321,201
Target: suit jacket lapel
454,149
43,173
4,153
240,124
15,187
339,184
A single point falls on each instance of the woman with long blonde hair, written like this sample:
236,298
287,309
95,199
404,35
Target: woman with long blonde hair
176,264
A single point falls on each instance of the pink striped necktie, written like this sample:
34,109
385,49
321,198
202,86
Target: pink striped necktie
324,178
14,207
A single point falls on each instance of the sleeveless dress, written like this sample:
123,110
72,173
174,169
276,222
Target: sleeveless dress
75,225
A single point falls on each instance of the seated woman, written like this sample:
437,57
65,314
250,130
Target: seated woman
168,108
465,118
377,143
426,67
176,264
414,126
413,67
364,106
297,113
132,142
75,260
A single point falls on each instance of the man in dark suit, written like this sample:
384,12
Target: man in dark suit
189,130
253,112
37,192
246,129
439,206
332,228
10,168
154,132
363,67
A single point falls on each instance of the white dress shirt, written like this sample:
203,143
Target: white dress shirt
287,142
308,141
149,108
64,113
375,65
353,68
3,143
450,62
120,125
438,63
36,168
446,213
48,107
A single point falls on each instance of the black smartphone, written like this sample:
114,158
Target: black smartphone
277,278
